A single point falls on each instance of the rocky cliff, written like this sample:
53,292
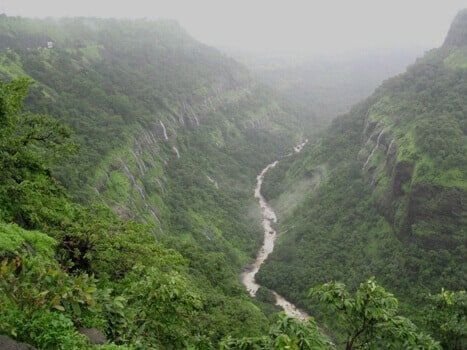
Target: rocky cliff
457,35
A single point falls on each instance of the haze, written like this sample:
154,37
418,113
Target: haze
313,26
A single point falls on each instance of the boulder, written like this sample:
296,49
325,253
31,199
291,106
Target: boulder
6,343
94,335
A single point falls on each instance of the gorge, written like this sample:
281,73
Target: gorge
269,220
128,155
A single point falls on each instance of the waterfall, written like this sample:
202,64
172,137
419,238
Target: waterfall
390,145
164,131
300,146
374,149
214,182
176,151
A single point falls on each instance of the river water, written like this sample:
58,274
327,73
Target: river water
269,218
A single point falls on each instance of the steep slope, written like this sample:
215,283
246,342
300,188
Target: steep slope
383,193
167,132
146,101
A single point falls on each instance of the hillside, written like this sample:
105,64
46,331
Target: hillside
383,193
142,177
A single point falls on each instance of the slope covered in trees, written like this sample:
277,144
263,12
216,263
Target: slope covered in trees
77,277
126,184
383,193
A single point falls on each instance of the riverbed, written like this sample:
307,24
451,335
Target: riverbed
268,220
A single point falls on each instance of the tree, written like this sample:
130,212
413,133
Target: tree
369,320
446,318
29,144
288,333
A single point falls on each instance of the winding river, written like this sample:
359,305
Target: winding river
269,218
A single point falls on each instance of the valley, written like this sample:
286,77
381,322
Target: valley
269,220
156,193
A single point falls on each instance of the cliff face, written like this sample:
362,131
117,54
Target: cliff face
457,35
413,151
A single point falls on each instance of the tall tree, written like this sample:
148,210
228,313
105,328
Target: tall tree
369,319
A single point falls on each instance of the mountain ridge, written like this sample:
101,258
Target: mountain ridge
458,30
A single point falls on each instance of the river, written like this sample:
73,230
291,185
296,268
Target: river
269,218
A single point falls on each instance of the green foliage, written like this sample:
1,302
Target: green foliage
28,144
40,302
287,333
91,272
53,330
143,294
369,319
165,307
14,240
446,318
381,193
66,264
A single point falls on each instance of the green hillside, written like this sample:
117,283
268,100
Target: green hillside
383,193
142,176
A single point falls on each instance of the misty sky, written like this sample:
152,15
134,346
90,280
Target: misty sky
313,26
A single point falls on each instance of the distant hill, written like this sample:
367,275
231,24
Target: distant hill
329,86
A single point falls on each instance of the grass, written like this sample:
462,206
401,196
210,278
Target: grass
11,68
13,239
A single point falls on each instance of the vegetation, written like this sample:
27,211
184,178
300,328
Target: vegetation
381,194
367,320
126,207
65,265
164,274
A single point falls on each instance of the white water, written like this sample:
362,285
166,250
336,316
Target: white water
164,130
214,182
300,146
270,235
176,151
390,146
374,149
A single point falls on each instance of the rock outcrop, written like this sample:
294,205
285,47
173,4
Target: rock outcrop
457,35
6,343
95,336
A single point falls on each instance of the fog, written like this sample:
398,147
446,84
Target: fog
304,27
